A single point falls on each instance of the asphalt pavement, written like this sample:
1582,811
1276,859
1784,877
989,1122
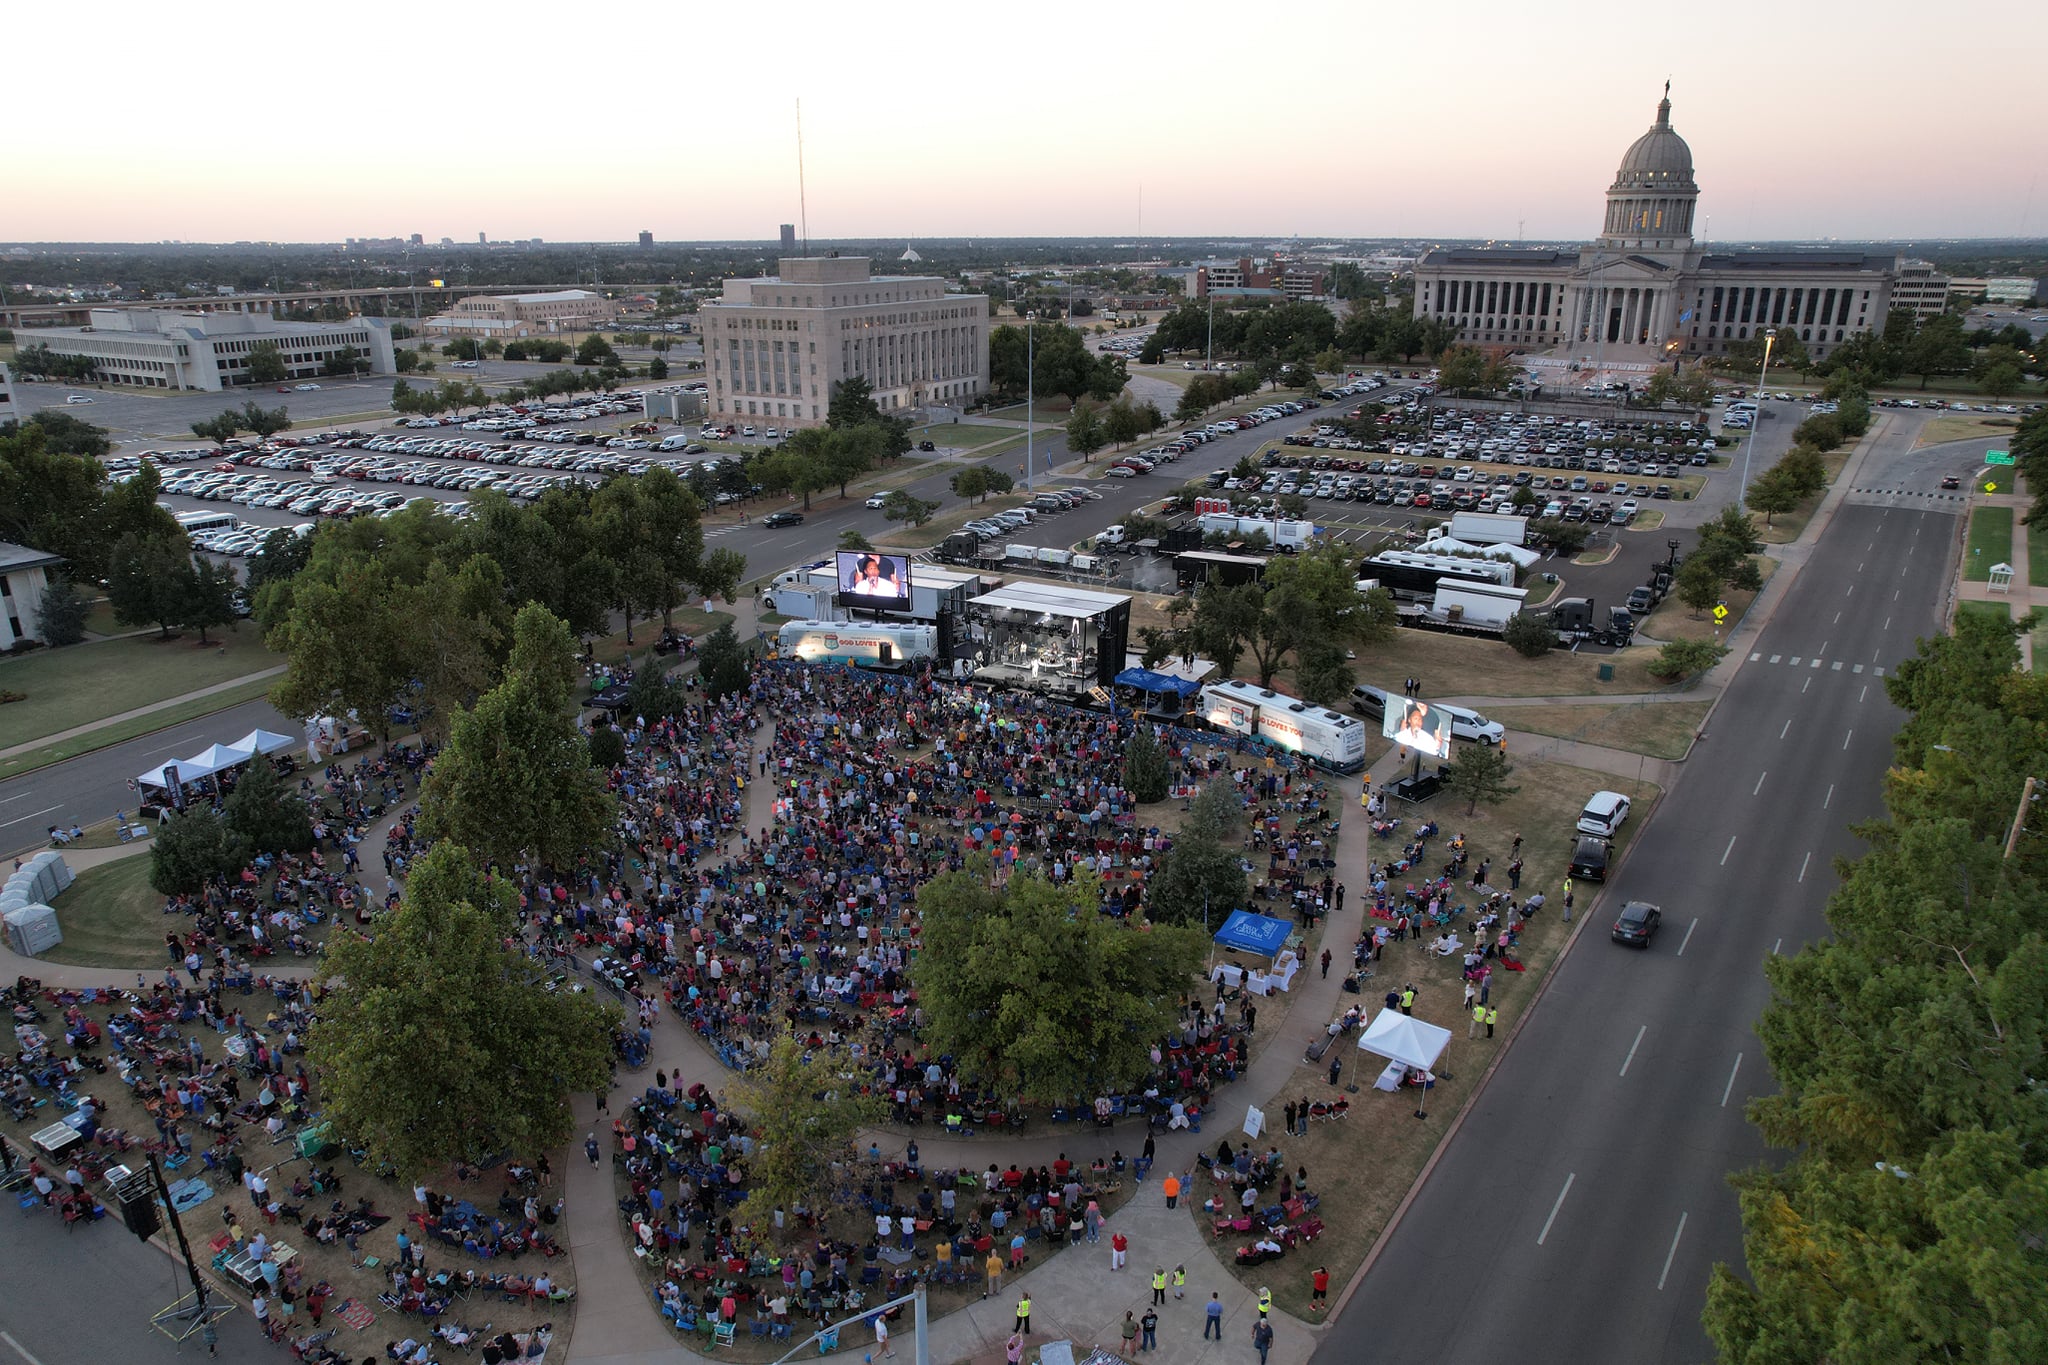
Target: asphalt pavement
93,786
1582,1202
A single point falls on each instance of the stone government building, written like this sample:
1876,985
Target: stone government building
1645,290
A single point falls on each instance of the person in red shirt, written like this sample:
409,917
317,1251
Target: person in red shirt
1118,1245
1321,1290
1061,1167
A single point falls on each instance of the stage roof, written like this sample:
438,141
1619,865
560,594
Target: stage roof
1049,599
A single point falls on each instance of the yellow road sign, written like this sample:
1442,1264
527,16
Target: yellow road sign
1990,487
1721,613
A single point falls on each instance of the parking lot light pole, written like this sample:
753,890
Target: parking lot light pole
1749,446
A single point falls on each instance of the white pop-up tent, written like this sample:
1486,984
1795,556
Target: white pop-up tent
213,759
1406,1040
264,742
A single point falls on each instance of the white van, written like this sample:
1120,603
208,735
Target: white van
1467,724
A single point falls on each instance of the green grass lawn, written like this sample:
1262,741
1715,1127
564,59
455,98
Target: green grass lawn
1990,542
111,917
2037,557
80,684
1971,607
1659,729
964,435
100,736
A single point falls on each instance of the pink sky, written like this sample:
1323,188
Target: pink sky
922,119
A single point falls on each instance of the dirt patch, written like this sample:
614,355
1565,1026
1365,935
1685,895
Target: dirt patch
1673,620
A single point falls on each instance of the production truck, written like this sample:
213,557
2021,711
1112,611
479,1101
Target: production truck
1414,574
1322,736
1282,534
1488,528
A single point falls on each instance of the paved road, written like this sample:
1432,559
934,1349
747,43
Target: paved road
1581,1206
93,786
87,1295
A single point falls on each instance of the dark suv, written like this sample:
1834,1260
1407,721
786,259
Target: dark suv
1637,924
1589,858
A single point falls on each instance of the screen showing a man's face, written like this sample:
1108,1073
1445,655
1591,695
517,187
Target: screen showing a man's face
1418,725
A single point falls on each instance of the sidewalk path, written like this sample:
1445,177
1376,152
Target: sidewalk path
166,704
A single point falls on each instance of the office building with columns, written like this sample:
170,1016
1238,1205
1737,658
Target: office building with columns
1645,289
775,347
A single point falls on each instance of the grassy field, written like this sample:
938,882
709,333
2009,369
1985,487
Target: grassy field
691,621
1990,542
1648,520
2037,557
966,435
1959,428
939,527
111,917
1364,1165
1457,665
99,737
1996,479
1673,620
80,684
1659,729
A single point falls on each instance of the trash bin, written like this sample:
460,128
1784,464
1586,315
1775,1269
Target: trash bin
1607,673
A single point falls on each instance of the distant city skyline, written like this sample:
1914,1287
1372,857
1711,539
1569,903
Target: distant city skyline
925,121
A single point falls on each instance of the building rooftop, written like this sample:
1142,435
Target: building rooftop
16,557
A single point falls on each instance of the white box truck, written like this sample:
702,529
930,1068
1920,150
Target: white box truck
1054,557
864,644
1280,533
1488,528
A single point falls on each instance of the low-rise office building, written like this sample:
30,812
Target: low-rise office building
510,317
24,578
210,351
775,347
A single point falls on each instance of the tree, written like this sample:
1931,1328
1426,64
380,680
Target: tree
63,434
1122,422
1529,635
1201,879
804,1115
902,506
722,666
657,368
1086,433
62,616
804,465
607,745
1680,659
515,779
219,430
2001,379
1822,432
1565,537
850,539
59,503
266,363
1037,995
1772,492
853,404
344,648
595,350
1699,583
345,362
209,596
1145,769
1479,773
193,847
971,483
262,810
150,580
437,1043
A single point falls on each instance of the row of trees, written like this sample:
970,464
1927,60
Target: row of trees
252,417
450,395
1904,1219
1308,610
1055,360
2029,452
1093,425
1801,473
418,607
38,361
1936,347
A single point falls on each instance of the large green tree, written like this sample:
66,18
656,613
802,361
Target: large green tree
437,1042
803,1111
267,813
193,847
515,780
1201,879
1035,993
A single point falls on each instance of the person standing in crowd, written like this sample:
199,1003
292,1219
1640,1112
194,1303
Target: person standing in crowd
1212,1323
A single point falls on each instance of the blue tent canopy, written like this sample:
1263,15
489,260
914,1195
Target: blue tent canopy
1250,933
1158,682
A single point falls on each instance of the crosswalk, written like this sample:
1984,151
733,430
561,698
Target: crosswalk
716,531
1908,497
1825,665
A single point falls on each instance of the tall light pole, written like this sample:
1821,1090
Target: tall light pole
1030,393
1749,447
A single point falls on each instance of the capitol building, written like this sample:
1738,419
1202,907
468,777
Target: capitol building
1645,290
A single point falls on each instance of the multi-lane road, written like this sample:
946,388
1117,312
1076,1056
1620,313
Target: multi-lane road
1580,1206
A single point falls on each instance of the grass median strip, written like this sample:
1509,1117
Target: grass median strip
1990,542
79,684
1661,729
117,732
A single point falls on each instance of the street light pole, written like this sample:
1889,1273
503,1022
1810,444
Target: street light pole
1749,446
1030,396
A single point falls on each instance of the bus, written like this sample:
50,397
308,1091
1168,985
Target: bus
864,644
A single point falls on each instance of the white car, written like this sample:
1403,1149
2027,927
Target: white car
305,388
76,398
878,500
1604,813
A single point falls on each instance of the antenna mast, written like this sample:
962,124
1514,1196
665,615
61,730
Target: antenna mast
803,213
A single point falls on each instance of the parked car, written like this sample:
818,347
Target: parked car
1589,858
1604,814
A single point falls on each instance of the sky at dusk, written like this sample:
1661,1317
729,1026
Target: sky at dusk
1485,119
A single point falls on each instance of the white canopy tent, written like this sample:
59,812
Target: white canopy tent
1406,1041
264,742
215,758
1446,545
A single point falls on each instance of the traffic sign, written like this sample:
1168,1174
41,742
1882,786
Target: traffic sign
1998,457
1990,487
1721,612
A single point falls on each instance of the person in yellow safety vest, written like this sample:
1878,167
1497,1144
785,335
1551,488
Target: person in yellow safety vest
1408,1000
1265,1302
1492,1018
1159,1285
1180,1282
1024,1315
1478,1019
